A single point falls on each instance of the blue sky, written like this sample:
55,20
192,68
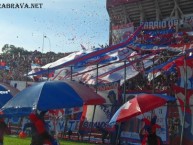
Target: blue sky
66,23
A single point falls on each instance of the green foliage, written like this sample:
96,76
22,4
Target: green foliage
14,140
11,49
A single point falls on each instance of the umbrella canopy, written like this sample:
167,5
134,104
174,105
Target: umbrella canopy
140,104
50,95
13,91
6,93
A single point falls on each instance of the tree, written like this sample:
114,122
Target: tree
5,48
11,49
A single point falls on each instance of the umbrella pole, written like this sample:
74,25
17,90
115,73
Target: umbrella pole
118,134
92,124
55,130
124,100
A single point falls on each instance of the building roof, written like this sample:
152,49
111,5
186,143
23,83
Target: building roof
125,11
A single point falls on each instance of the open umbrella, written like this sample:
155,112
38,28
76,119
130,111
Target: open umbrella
49,95
6,93
12,90
140,104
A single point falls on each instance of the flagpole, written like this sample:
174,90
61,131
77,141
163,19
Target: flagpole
124,100
43,44
48,71
153,83
27,71
71,72
94,105
185,100
48,74
125,76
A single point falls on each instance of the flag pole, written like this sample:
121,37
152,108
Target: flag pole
92,124
48,73
153,81
153,84
185,100
71,72
26,84
124,100
125,76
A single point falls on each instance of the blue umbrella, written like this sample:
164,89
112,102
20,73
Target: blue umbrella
50,95
6,93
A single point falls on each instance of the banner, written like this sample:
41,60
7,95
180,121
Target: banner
63,120
160,24
90,55
184,24
115,71
104,112
121,33
181,47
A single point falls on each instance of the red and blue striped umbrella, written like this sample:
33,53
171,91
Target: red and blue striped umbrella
140,104
50,95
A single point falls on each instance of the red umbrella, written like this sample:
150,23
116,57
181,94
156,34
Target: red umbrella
140,104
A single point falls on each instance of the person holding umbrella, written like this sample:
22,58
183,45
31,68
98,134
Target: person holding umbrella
40,135
148,132
140,104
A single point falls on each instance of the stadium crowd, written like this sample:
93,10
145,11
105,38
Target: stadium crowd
165,80
15,66
164,37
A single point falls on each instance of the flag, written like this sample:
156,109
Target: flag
92,53
35,66
2,63
185,72
182,97
82,46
